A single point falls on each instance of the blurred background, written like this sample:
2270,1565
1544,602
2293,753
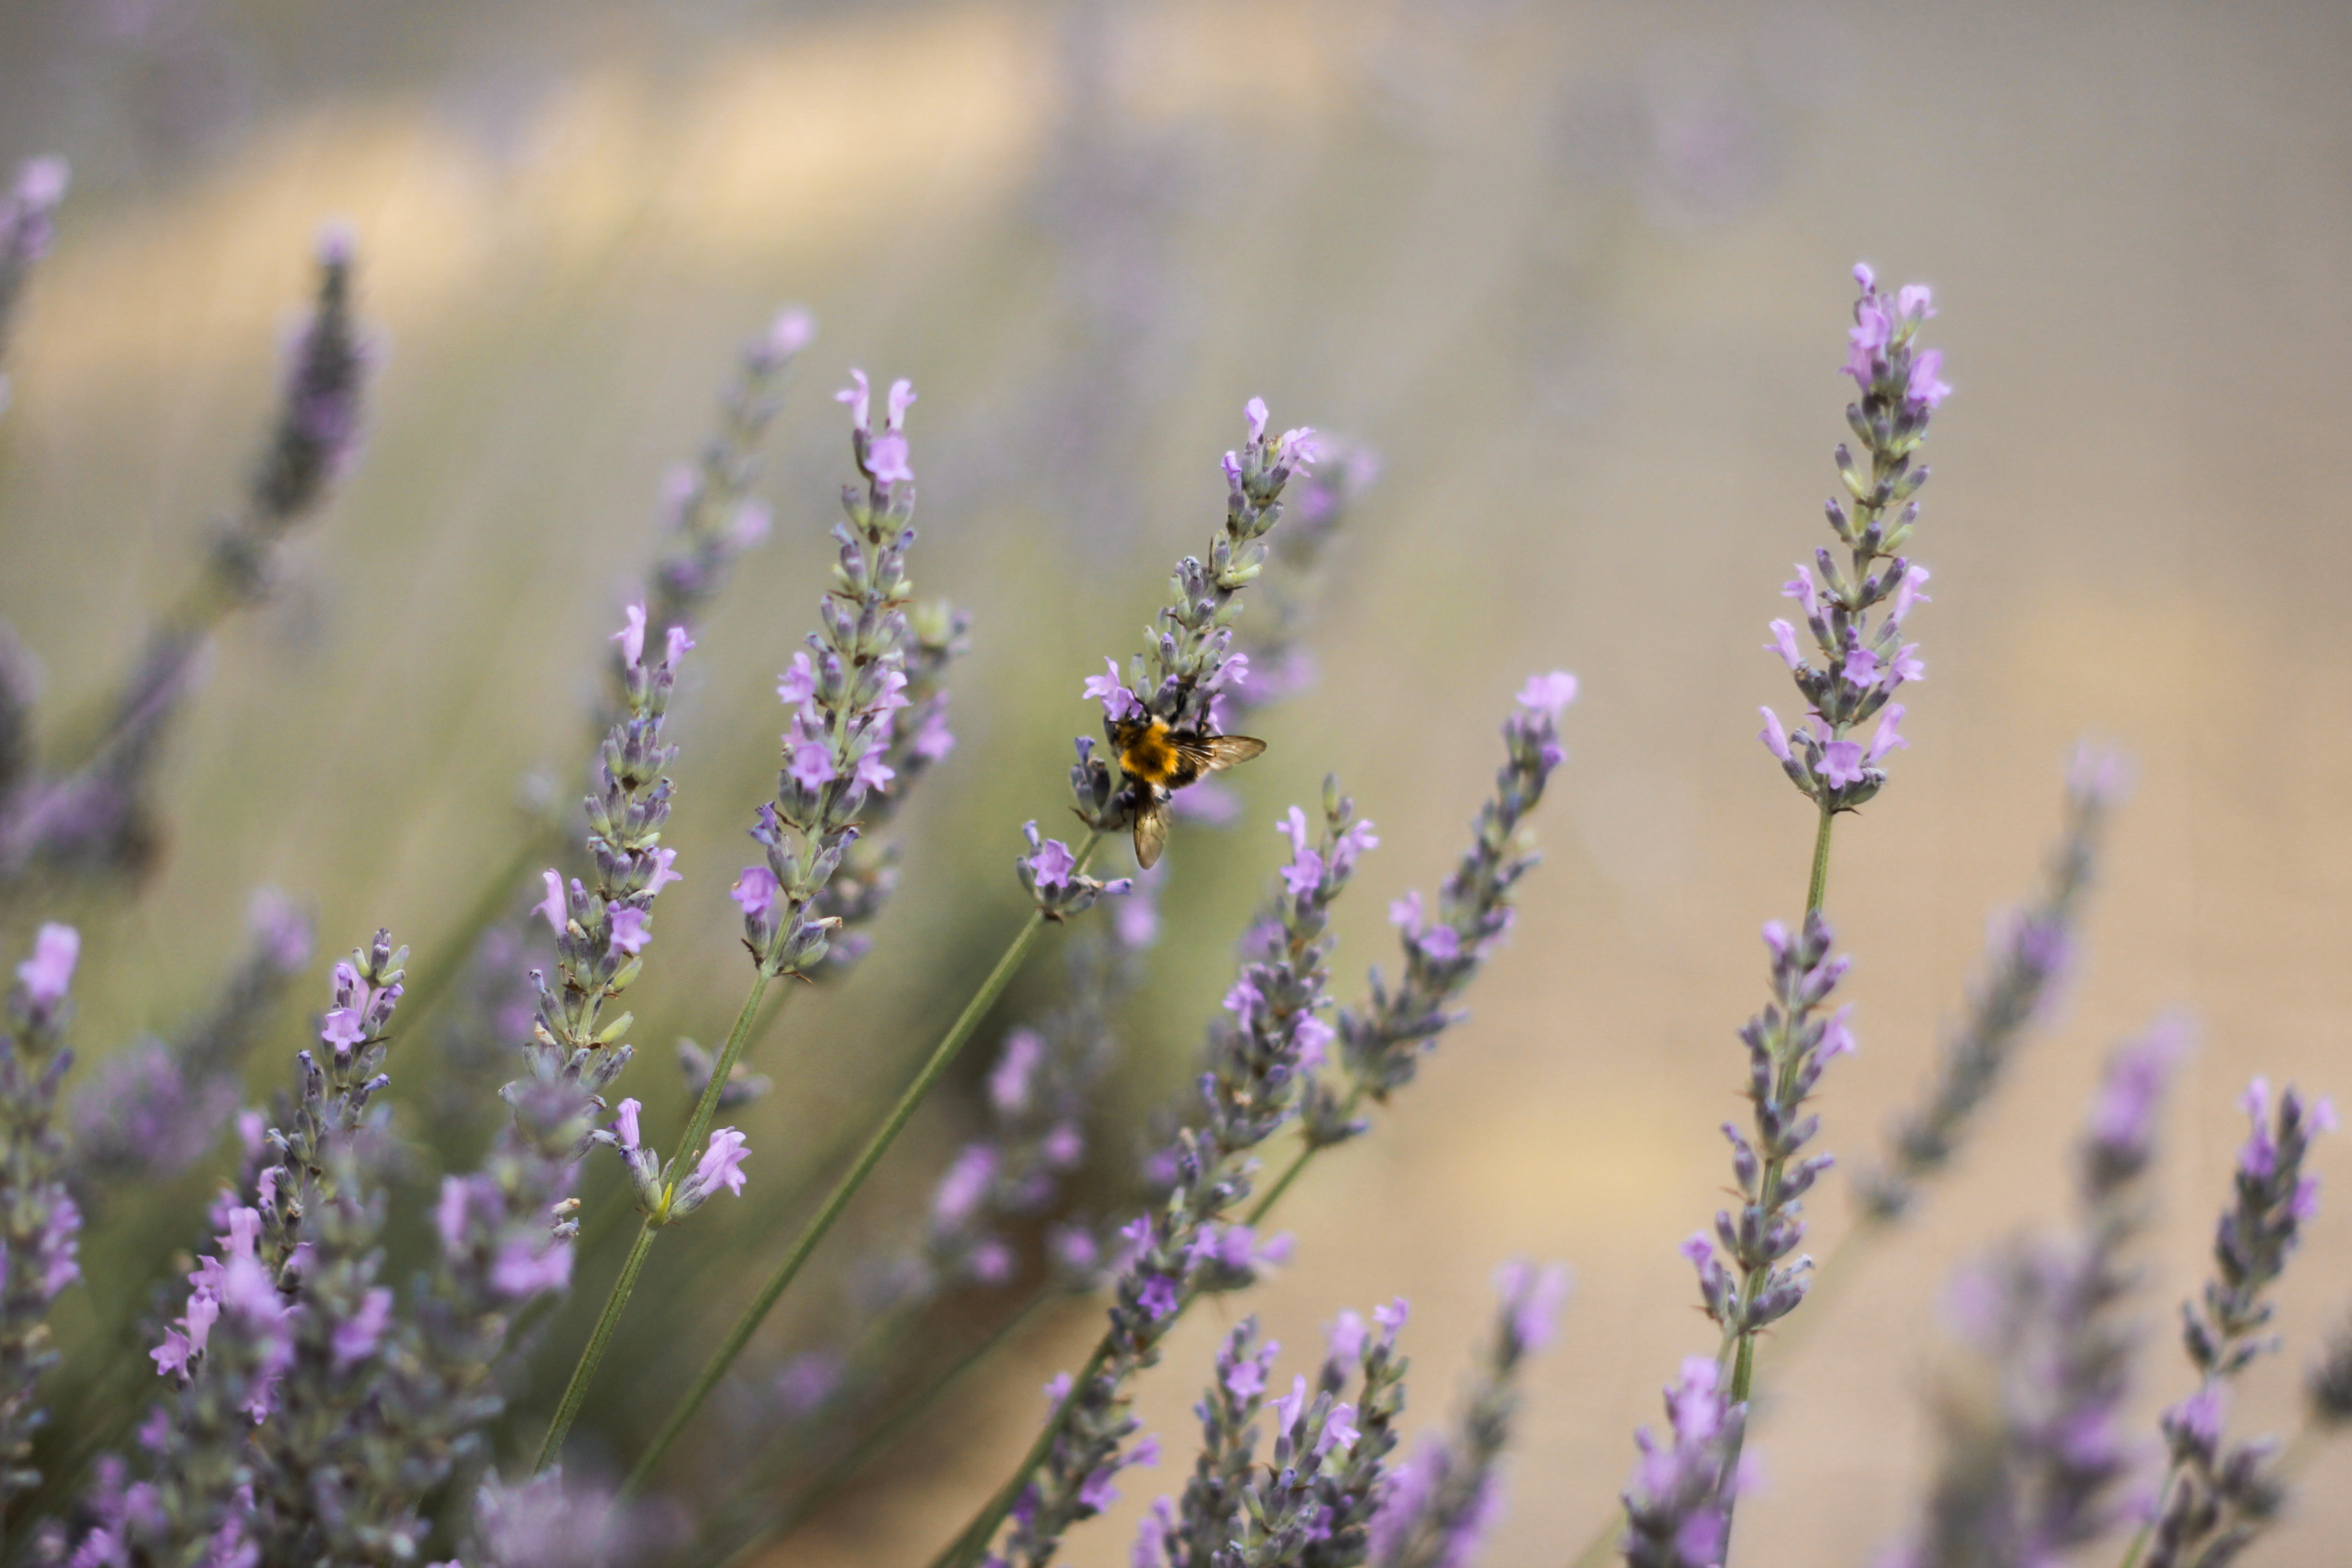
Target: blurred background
1578,272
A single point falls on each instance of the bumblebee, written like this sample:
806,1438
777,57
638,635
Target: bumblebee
1156,761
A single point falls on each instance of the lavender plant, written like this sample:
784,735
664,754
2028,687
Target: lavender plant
1864,663
39,1222
27,227
2217,1498
1442,1500
2040,1469
91,814
2026,959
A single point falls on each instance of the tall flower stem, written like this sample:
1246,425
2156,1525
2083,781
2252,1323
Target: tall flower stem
1819,888
942,1056
593,1354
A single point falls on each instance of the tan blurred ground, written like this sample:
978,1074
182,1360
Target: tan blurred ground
1580,272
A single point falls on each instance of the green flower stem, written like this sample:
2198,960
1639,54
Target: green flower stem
1821,882
593,1354
945,1053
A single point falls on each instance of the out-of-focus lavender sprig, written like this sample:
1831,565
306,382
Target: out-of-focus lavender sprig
283,1334
707,506
2025,961
551,1522
1861,663
39,1224
27,225
155,1108
2219,1496
93,814
2328,1386
1191,1244
1446,1495
2035,1472
1679,1505
843,701
1189,658
1381,1044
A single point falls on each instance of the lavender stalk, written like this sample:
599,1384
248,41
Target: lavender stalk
2217,1498
1446,1495
95,813
39,1221
2038,1475
27,225
1863,664
1194,1243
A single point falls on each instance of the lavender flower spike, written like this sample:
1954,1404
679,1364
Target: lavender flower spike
2038,1471
2219,1498
1679,1505
2025,962
708,505
27,216
39,1221
1188,658
1447,1494
1381,1044
1788,1044
1172,1254
1831,761
841,694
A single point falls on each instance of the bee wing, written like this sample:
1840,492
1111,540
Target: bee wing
1220,752
1150,832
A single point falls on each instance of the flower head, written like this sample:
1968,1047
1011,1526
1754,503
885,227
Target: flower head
631,635
1549,693
722,1163
49,971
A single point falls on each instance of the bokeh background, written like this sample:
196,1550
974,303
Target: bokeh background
1577,271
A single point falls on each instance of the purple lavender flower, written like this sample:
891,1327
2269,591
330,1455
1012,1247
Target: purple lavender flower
1191,661
1441,1500
2040,1471
1863,664
1250,1093
2024,964
39,1223
2218,1499
1381,1043
1049,874
1678,1504
92,816
28,225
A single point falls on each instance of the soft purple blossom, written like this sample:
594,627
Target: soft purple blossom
625,1123
902,397
1888,734
1861,667
1841,763
1775,739
722,1163
858,396
1533,1297
798,684
1053,864
1118,702
933,740
356,1337
631,930
1907,593
553,907
632,636
50,971
1304,875
526,1265
1784,643
963,1186
1547,693
1927,388
664,859
1159,1297
676,643
755,891
343,1028
812,765
887,459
